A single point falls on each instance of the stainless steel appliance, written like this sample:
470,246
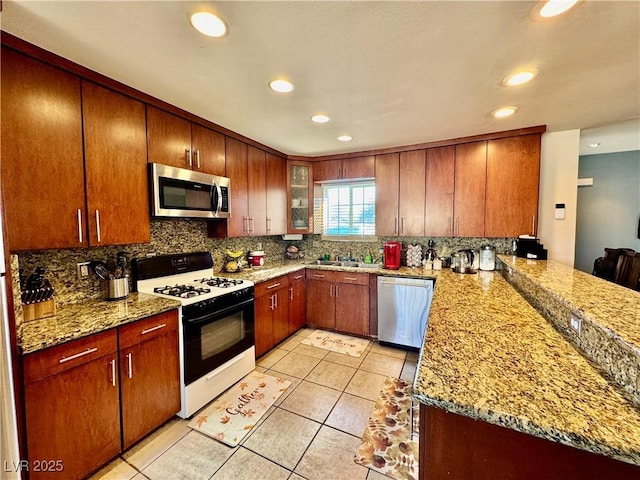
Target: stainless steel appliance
217,322
403,309
178,192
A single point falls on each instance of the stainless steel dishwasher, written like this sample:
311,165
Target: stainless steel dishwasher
403,309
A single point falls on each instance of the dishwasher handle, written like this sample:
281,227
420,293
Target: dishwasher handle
416,283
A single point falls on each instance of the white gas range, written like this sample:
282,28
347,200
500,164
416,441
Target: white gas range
217,322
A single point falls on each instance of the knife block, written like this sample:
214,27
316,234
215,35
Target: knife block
35,311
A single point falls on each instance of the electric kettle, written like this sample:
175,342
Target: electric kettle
392,253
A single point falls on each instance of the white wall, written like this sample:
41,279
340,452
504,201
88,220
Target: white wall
558,184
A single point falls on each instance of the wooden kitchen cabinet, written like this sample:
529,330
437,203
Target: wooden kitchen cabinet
257,181
338,301
299,197
513,173
149,374
115,153
470,184
42,159
72,406
179,143
271,313
439,190
276,195
400,193
348,168
297,301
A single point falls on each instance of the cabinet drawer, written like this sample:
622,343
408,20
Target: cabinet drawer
354,278
298,276
54,360
265,288
148,328
321,275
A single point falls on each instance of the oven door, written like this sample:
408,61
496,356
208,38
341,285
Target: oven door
214,338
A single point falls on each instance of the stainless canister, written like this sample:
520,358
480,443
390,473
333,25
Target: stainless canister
117,288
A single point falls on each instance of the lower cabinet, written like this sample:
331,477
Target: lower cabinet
338,301
77,393
271,313
297,301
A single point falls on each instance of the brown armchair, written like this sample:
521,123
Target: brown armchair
605,267
627,271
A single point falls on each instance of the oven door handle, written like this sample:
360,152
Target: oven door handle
219,313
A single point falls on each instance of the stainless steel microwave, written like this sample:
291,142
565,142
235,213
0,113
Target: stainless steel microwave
178,192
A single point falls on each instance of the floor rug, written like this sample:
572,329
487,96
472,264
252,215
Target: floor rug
234,413
335,342
387,446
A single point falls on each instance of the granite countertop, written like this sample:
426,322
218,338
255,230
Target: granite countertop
73,321
489,355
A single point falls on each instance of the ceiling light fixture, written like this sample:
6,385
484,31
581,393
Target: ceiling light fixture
593,145
320,118
504,112
345,138
519,78
208,24
281,86
552,8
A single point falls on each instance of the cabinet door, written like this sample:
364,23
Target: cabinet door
42,164
327,170
469,195
299,197
276,195
208,150
281,315
513,174
387,188
360,167
411,193
236,166
438,217
297,301
321,308
115,152
150,385
263,322
257,182
352,309
169,139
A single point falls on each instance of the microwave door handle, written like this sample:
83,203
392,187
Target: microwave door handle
219,190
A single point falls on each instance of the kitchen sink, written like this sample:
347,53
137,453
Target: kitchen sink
345,263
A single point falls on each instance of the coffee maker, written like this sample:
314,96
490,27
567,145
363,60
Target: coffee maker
392,255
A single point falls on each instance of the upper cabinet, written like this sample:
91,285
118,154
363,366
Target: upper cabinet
177,142
513,173
400,193
359,167
470,183
276,195
257,182
300,197
439,187
116,167
45,115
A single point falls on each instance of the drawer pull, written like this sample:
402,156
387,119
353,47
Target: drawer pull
353,279
298,277
153,329
273,286
78,355
317,275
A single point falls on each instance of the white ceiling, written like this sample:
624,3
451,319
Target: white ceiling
388,73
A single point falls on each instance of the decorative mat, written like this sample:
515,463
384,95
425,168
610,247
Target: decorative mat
387,446
234,413
335,342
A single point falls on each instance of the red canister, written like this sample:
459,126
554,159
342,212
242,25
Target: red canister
392,254
256,258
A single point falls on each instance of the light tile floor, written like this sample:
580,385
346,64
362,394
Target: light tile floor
312,431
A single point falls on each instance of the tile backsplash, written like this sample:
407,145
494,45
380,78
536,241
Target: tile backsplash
170,236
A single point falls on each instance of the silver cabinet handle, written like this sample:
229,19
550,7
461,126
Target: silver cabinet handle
273,286
337,291
317,275
298,277
113,372
290,293
331,290
353,279
80,225
187,157
98,225
533,225
276,297
197,154
250,224
153,329
129,366
395,226
268,225
451,224
401,225
273,303
78,355
245,225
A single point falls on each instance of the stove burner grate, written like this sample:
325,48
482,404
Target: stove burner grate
182,291
221,282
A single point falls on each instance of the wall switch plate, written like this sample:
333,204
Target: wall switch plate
576,324
83,270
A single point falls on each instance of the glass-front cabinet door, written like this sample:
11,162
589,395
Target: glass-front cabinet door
300,209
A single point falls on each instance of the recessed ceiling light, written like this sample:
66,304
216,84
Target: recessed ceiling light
593,145
520,77
320,118
208,24
552,8
504,112
281,86
345,138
